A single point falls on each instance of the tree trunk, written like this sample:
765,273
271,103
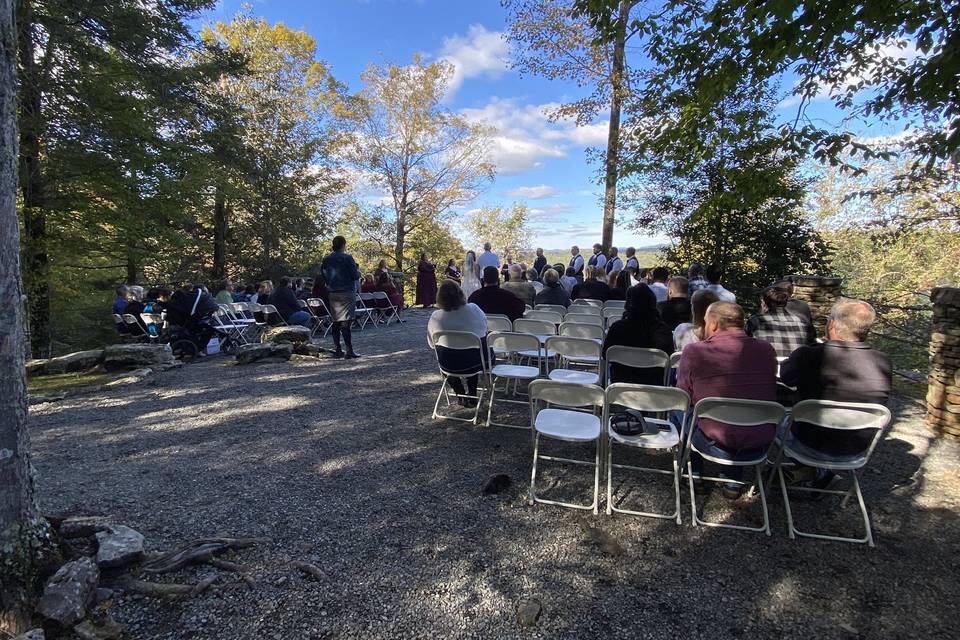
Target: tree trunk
220,222
36,261
613,131
400,240
22,531
131,267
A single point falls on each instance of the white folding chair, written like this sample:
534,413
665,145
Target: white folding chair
636,358
318,309
572,352
843,418
364,308
511,345
540,328
549,316
387,310
569,424
614,304
496,322
133,326
556,308
743,414
269,311
647,399
580,330
612,314
587,309
222,322
584,318
588,302
674,364
460,340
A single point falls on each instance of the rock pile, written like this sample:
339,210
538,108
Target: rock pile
943,390
819,293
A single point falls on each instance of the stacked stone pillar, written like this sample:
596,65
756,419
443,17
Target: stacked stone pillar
819,293
943,390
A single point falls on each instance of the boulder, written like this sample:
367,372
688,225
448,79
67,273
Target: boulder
79,361
308,349
33,634
119,546
264,353
83,526
69,592
133,378
36,367
295,334
135,356
528,612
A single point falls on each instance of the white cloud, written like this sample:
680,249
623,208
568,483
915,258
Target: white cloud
533,193
549,213
479,53
525,135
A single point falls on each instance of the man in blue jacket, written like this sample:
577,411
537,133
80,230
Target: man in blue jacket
342,277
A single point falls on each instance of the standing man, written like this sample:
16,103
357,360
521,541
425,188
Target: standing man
695,279
614,263
576,263
632,259
540,263
342,276
598,259
714,276
488,258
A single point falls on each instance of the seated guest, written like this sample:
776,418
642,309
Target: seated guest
533,277
569,281
320,290
592,288
695,279
796,307
728,363
368,286
641,326
120,302
714,275
224,293
675,310
519,288
775,324
249,294
456,314
385,284
619,283
264,292
843,369
658,283
285,300
135,305
553,292
381,268
305,291
452,272
492,299
688,332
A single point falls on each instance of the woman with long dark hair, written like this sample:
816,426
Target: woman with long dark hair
426,282
641,326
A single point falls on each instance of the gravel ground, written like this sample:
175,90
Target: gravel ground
338,463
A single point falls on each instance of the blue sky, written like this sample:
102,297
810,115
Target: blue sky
538,162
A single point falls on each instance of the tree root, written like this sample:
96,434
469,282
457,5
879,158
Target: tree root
310,569
155,589
198,551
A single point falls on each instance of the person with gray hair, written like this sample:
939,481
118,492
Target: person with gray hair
553,292
844,369
519,288
533,277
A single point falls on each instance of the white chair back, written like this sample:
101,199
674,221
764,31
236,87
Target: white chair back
510,342
586,308
612,312
535,327
644,397
589,302
581,330
556,308
584,318
569,347
496,322
844,416
566,394
614,304
550,316
737,412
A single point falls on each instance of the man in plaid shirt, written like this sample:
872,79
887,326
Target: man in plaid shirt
695,279
782,329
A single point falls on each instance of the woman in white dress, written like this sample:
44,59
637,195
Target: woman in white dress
471,274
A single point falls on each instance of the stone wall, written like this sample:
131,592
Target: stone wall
819,293
943,390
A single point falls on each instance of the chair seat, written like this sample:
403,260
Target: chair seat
570,375
799,452
564,424
660,440
515,371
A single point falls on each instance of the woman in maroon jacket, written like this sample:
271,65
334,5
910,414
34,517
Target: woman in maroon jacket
426,282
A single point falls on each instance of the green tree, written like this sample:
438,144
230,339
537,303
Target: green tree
426,158
506,229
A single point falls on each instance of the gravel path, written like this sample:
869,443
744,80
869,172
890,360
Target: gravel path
339,464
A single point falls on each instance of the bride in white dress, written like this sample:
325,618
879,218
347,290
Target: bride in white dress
471,274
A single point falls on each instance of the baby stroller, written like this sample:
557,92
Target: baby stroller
189,325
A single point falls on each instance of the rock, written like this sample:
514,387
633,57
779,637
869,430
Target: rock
497,484
603,540
33,634
134,377
134,356
36,367
119,546
295,334
44,399
69,592
79,361
264,353
528,612
83,526
102,594
308,349
102,628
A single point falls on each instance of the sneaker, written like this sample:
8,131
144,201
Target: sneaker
351,355
731,491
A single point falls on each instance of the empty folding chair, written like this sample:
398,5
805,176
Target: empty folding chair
621,356
589,301
388,310
570,352
511,345
461,341
568,424
549,316
527,307
612,314
543,329
556,308
271,316
843,418
222,322
318,309
646,398
614,304
580,330
586,308
584,318
496,322
743,414
365,310
134,328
